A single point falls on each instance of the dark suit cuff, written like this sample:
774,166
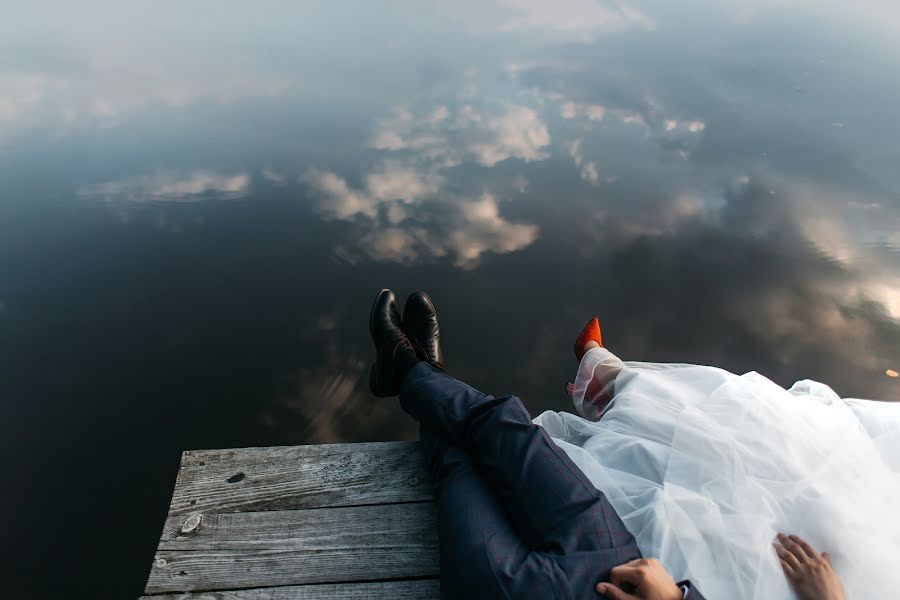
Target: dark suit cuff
690,593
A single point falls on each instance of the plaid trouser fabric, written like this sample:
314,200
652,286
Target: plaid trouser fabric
517,518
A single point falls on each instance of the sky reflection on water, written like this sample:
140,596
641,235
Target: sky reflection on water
198,203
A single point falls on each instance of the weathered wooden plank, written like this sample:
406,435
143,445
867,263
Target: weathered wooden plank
232,569
326,545
289,477
419,589
350,527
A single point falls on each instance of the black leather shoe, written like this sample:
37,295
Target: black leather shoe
420,322
394,353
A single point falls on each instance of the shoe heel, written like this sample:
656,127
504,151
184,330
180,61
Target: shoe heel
374,384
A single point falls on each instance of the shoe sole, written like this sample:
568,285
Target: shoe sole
373,378
372,313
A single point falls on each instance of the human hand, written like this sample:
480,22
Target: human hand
809,573
646,576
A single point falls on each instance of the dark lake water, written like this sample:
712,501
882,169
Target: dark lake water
199,201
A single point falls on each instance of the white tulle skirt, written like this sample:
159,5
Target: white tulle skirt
705,467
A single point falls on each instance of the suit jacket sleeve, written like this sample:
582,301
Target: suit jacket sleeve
692,592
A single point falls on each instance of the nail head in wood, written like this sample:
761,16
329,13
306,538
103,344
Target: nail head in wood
191,524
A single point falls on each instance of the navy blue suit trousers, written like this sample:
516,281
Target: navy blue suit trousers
517,518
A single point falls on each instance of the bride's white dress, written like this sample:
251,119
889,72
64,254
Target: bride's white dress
705,467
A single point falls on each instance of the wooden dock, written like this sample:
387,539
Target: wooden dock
347,521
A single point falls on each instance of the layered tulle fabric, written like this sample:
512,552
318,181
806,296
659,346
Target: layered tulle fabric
705,467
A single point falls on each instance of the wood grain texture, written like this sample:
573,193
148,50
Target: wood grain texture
408,525
233,569
301,519
421,589
300,522
293,477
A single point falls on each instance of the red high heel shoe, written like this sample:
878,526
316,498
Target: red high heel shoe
590,332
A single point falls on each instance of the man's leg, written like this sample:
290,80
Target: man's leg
550,502
482,557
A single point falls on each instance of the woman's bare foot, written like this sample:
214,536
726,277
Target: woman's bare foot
809,573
